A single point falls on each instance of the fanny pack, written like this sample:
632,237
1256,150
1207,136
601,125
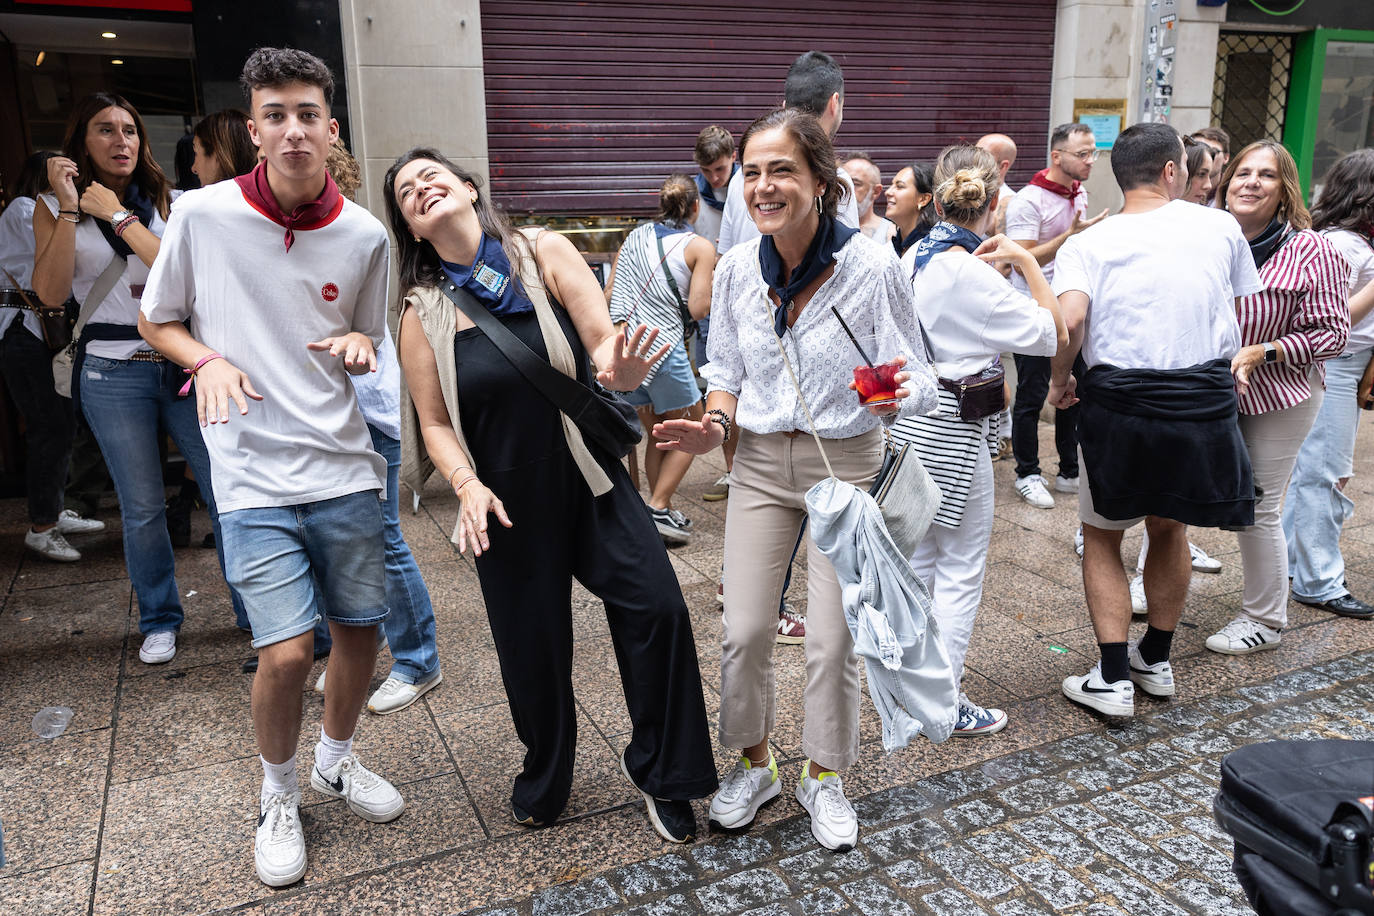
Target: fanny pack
980,395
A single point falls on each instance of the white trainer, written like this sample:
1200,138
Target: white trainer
1033,490
1243,636
1064,484
319,682
369,796
833,821
1138,605
52,545
1078,542
1157,680
395,695
1201,561
279,847
1114,699
747,789
68,522
158,648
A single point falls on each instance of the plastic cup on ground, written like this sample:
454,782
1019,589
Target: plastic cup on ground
51,721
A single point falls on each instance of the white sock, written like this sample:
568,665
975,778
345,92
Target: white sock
278,778
329,751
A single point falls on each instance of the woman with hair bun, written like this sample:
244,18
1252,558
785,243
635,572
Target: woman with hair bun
662,277
1317,506
970,315
787,290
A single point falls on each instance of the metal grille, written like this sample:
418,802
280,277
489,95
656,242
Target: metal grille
1250,95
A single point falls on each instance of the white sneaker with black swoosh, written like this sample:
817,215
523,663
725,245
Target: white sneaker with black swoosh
1114,699
368,795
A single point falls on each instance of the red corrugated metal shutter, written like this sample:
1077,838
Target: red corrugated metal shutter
591,105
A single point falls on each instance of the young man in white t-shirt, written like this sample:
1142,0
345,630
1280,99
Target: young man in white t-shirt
284,282
1152,292
1041,217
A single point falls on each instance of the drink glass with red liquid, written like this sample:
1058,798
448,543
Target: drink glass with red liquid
875,384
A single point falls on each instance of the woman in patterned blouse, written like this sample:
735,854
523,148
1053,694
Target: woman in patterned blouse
1288,329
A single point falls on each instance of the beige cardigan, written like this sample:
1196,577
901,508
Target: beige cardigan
436,314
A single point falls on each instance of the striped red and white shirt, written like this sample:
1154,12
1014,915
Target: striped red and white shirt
1304,309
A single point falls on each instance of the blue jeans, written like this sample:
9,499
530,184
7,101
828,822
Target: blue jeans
124,402
409,628
1316,509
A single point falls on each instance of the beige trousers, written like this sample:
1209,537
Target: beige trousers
768,485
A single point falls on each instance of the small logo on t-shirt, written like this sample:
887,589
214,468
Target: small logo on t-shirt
330,292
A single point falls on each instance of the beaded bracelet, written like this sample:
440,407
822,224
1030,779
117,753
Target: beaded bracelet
124,224
723,419
186,389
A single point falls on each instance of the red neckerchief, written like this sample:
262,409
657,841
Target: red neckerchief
310,215
1042,180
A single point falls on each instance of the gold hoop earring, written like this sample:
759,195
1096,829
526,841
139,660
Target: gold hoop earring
819,211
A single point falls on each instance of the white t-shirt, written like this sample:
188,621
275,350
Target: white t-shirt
1162,286
379,393
16,256
1359,254
1040,214
120,305
971,315
882,231
737,226
707,224
225,266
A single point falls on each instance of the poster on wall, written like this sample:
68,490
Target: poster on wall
1157,61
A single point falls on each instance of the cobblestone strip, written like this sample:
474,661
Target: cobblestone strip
1111,822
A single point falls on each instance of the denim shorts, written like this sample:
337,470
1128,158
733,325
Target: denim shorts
672,388
294,564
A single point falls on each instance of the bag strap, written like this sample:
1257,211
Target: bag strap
672,284
567,394
806,408
102,287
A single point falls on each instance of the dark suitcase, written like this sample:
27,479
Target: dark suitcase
1300,815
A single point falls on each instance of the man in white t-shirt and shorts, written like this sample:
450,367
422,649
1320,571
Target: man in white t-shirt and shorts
1043,215
285,282
1149,297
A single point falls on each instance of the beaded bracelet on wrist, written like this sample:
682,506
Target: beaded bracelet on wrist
724,420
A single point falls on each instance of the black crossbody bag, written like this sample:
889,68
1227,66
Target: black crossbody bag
601,415
689,324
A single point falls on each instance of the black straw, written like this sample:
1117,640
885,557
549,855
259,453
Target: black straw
868,362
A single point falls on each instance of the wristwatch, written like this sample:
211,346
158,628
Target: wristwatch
1271,353
119,216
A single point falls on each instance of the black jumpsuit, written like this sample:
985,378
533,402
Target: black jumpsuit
610,545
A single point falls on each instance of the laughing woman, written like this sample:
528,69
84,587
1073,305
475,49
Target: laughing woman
794,282
566,509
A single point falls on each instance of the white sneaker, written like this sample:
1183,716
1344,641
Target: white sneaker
369,796
1064,484
1201,561
51,544
740,796
833,821
279,848
1157,680
1243,636
1033,490
1078,542
319,682
158,647
395,695
1138,605
68,522
1115,699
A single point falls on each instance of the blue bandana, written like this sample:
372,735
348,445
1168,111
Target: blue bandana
489,280
139,204
830,238
941,236
708,193
674,227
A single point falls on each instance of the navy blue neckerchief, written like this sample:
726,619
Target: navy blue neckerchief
903,244
1264,245
830,237
708,193
488,279
941,236
137,203
665,229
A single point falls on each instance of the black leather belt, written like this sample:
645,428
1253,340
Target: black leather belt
13,298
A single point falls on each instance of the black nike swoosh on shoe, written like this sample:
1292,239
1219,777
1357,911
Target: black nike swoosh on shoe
1141,670
1086,689
262,816
336,783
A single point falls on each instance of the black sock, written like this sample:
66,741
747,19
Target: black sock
1154,645
1115,667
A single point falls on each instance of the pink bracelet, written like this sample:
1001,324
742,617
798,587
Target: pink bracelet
125,223
186,389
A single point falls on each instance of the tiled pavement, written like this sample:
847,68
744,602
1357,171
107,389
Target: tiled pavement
146,803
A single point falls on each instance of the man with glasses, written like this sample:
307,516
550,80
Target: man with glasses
1042,216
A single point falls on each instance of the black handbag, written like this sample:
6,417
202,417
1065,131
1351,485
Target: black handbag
980,395
602,416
